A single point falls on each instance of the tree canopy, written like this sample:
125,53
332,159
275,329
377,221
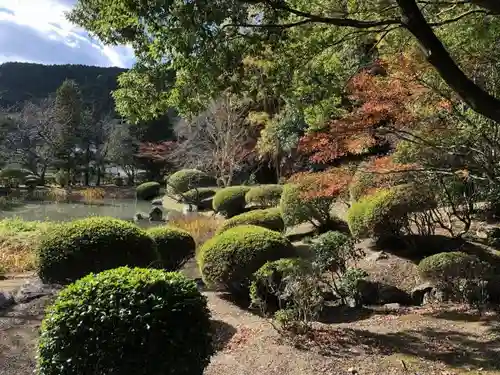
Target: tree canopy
276,51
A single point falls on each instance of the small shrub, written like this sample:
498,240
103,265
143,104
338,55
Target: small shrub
72,250
446,266
175,246
269,281
148,190
62,178
304,303
187,179
230,201
230,259
118,181
127,321
269,218
195,196
264,195
387,212
332,252
92,195
350,285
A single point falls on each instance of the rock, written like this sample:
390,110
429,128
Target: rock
6,300
34,289
377,256
352,370
189,209
489,232
156,214
140,216
392,306
157,202
376,293
418,293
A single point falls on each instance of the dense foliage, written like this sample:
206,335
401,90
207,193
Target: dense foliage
264,195
196,196
230,201
175,246
149,322
443,267
72,250
148,190
187,179
268,218
229,259
269,283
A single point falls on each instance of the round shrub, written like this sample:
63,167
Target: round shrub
148,190
187,179
230,258
269,218
269,283
72,250
175,246
127,321
444,267
264,195
195,196
230,201
386,212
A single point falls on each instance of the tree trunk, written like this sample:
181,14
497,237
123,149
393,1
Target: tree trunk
437,55
98,181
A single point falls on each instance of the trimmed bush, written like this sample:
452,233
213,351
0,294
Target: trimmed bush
127,321
269,218
264,195
386,212
148,190
175,246
444,267
269,283
195,196
187,179
230,201
230,259
72,250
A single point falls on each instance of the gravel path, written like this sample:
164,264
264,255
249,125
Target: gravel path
429,342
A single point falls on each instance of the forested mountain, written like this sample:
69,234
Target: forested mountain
20,82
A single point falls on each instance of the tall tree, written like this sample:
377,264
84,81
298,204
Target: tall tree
68,120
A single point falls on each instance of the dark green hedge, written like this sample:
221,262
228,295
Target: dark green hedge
269,218
175,246
187,179
72,250
230,201
148,190
230,258
129,322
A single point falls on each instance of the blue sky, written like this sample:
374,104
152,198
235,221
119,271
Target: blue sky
37,31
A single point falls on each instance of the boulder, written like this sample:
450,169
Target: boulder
488,232
379,255
419,293
377,293
140,216
6,300
34,289
156,214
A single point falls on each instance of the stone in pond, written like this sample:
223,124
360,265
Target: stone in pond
156,214
157,202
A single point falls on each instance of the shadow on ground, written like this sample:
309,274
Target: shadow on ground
446,346
222,333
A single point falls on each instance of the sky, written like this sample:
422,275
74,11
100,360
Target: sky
37,31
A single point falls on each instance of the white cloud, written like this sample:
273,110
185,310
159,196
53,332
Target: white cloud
37,31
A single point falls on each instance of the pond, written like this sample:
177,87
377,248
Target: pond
124,209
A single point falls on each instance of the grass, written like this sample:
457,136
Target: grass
18,241
202,227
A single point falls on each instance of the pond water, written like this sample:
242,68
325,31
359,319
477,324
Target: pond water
124,209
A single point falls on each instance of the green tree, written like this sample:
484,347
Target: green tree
308,49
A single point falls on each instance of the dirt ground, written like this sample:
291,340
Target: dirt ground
425,341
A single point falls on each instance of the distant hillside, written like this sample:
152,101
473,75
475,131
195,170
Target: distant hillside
25,81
